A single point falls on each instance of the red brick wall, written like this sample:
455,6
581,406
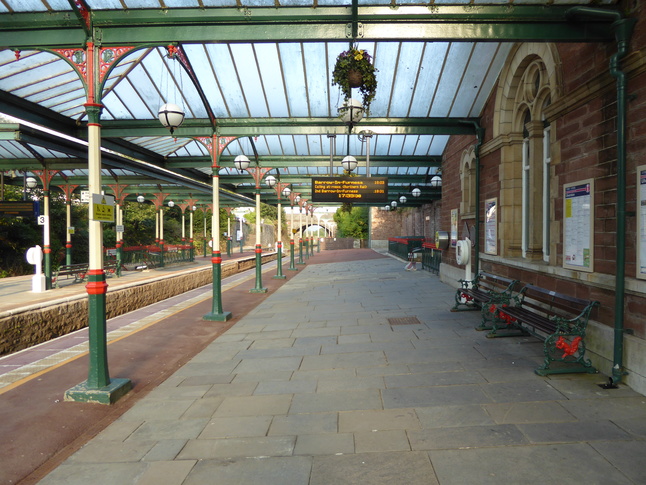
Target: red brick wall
588,149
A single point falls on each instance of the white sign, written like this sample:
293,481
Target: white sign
454,227
42,220
119,228
85,196
578,225
641,222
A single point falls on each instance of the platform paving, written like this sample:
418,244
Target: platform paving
314,386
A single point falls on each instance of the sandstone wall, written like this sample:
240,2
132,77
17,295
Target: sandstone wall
29,326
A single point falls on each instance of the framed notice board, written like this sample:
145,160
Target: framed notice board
578,225
454,227
641,222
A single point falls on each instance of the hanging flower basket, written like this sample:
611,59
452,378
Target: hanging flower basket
354,69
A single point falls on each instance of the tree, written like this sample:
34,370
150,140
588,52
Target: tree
352,223
139,222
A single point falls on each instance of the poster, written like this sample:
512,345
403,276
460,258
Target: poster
454,227
578,225
641,222
491,226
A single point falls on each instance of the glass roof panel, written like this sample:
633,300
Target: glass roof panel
273,79
228,81
49,87
249,77
219,3
28,6
408,64
429,73
438,144
292,69
181,3
268,62
469,86
318,83
58,5
203,67
453,71
196,149
490,80
13,149
63,5
105,4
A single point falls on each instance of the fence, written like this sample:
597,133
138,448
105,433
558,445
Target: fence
153,256
401,246
431,256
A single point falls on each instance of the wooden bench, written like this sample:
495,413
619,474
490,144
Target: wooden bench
481,293
110,267
559,320
78,271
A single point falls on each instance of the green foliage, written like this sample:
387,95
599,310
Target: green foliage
357,60
267,212
18,234
352,223
139,224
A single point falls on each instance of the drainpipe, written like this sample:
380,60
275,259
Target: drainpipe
480,135
622,29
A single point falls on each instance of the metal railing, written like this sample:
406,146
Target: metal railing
152,256
401,246
431,258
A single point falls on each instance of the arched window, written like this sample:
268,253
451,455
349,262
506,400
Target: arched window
527,86
468,184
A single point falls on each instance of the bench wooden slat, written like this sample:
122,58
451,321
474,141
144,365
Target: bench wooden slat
481,292
558,319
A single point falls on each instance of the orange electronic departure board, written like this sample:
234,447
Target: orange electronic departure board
372,190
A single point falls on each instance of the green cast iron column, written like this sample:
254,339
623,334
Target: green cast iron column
279,243
258,288
98,387
68,236
47,249
217,314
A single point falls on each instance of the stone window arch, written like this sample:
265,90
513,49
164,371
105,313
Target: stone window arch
468,184
529,83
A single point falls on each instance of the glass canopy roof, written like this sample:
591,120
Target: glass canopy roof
267,81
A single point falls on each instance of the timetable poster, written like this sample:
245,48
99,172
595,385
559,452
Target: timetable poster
578,223
454,227
641,221
491,226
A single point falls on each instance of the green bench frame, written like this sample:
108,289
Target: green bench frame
558,319
481,293
79,271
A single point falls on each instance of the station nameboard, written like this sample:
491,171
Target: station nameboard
15,208
372,190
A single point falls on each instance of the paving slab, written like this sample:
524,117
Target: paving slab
314,386
550,465
267,471
395,468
